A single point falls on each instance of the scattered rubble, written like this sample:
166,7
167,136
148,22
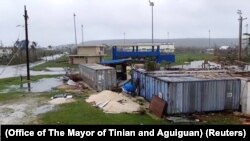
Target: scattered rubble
60,99
71,83
73,87
181,120
112,102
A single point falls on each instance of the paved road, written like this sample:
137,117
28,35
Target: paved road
18,70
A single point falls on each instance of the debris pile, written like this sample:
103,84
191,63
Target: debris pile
61,98
112,102
72,86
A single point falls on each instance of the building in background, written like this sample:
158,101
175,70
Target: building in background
164,47
87,55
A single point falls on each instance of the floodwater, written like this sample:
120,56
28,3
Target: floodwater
21,70
42,85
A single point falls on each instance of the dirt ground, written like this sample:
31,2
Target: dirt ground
26,109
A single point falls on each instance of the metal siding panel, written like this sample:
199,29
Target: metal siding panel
192,96
98,78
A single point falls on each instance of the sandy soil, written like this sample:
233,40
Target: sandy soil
112,102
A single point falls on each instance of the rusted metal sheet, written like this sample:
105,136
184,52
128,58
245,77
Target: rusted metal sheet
196,95
157,106
98,76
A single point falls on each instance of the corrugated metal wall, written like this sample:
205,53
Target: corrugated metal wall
101,79
191,96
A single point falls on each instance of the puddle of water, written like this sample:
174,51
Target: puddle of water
42,85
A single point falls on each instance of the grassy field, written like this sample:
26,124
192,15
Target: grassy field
60,62
188,57
81,112
78,112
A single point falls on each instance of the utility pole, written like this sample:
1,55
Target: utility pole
240,32
152,5
168,38
27,42
75,29
208,38
246,28
124,38
82,36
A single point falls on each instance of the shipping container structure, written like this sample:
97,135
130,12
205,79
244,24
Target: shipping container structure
98,76
186,93
245,95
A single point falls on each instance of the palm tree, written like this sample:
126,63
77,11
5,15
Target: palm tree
33,49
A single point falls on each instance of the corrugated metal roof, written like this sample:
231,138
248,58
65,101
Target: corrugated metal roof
178,79
96,66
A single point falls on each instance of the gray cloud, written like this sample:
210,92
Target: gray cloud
51,21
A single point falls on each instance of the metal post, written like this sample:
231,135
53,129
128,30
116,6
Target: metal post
208,38
240,32
168,38
75,29
152,25
152,5
124,38
246,28
27,42
240,37
82,36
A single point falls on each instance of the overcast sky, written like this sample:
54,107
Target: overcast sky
51,21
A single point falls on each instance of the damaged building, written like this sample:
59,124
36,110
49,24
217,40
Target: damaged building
194,91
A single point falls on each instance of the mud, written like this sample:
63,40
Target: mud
24,110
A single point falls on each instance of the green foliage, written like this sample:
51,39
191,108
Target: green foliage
150,65
181,58
20,58
107,58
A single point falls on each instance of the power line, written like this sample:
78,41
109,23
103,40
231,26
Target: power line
10,61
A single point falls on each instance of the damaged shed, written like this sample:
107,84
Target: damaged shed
187,93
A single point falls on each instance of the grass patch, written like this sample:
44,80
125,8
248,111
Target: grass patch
10,96
188,57
107,58
220,118
80,112
60,62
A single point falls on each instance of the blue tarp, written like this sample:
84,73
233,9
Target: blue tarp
128,88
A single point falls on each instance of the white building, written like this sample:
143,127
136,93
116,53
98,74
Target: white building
224,47
164,48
